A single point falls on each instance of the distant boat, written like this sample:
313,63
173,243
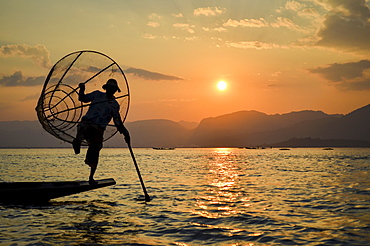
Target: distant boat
41,192
163,148
328,149
284,149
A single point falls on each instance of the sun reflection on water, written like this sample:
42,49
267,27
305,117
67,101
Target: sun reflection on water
224,193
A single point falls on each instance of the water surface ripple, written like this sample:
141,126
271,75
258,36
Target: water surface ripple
200,197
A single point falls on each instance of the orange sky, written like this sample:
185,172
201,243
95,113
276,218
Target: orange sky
276,56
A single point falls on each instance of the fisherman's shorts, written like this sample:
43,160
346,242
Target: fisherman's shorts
93,135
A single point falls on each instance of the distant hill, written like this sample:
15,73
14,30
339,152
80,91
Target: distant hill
318,143
158,133
238,129
26,134
145,133
246,128
188,125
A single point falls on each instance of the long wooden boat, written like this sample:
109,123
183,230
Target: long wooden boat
40,192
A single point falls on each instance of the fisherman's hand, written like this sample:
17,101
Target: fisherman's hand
82,87
125,133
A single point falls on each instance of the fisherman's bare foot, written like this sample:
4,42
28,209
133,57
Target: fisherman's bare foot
92,182
76,146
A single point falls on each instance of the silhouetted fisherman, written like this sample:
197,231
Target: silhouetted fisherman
102,109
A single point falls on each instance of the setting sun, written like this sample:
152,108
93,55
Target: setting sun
222,85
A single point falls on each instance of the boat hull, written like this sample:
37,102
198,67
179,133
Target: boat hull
39,192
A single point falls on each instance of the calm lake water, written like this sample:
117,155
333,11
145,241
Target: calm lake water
199,197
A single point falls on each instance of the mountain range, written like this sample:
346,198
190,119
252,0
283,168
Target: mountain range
239,129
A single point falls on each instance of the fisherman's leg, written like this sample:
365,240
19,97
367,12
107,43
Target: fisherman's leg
81,130
91,177
76,146
95,140
92,158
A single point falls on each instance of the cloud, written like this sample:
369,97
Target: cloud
261,22
149,36
38,53
309,13
217,29
347,76
191,38
285,22
155,16
150,75
209,11
346,26
185,26
247,23
294,5
301,9
177,15
153,24
276,74
17,79
220,29
253,45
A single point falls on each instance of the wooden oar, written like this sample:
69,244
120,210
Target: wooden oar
147,197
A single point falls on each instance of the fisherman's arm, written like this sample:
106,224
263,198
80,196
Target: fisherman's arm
122,129
81,94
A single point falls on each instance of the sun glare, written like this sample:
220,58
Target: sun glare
221,85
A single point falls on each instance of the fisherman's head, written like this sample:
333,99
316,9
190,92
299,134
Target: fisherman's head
111,86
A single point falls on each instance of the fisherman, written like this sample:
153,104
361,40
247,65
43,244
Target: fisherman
102,109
